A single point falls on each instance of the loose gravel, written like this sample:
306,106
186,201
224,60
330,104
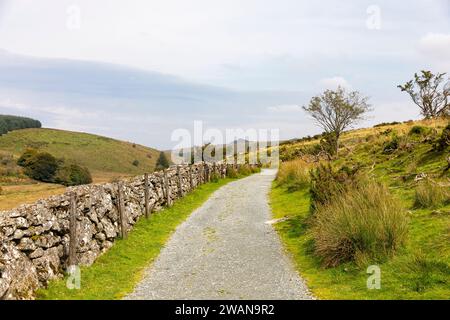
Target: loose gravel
226,250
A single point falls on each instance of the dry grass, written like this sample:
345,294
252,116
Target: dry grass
294,173
431,195
13,196
365,222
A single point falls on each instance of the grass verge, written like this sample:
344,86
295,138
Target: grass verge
115,274
421,270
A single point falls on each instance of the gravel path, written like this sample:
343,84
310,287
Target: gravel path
225,250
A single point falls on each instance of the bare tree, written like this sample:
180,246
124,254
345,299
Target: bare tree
429,92
335,111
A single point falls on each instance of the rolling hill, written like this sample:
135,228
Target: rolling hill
106,158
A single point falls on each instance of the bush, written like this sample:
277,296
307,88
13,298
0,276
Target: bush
73,175
135,163
431,195
40,166
326,183
365,222
419,130
444,140
386,124
162,162
392,145
294,174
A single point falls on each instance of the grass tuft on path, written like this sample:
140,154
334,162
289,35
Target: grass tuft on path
116,273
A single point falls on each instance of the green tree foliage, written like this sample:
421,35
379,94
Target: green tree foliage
72,175
163,162
429,92
42,166
9,123
336,110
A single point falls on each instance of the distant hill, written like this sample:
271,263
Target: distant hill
106,158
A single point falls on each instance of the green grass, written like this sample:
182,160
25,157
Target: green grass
115,274
421,270
418,270
103,156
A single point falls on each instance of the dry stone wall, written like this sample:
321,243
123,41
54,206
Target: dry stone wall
35,238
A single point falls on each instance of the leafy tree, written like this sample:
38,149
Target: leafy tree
163,162
429,93
336,110
73,175
42,167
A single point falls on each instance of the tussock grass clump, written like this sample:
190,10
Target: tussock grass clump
232,173
419,130
431,195
366,221
294,174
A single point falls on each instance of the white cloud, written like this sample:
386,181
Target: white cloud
436,45
289,108
334,82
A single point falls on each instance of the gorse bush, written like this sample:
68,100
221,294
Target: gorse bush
364,223
10,123
431,195
327,183
294,174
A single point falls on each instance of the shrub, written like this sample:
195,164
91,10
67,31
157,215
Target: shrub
135,163
392,145
326,183
244,170
431,195
294,174
419,130
364,222
163,162
73,175
26,157
444,140
40,166
386,124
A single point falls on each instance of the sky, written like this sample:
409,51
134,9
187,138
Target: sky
138,70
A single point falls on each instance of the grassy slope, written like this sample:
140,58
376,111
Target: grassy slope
106,158
116,272
419,271
103,156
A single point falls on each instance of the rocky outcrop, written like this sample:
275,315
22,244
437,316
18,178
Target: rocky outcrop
35,238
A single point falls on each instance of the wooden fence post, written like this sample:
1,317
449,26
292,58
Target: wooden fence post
180,183
73,231
191,180
214,168
122,213
146,195
202,174
167,187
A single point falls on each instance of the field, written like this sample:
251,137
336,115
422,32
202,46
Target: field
418,270
106,158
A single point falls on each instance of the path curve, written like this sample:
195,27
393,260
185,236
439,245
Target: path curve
225,250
